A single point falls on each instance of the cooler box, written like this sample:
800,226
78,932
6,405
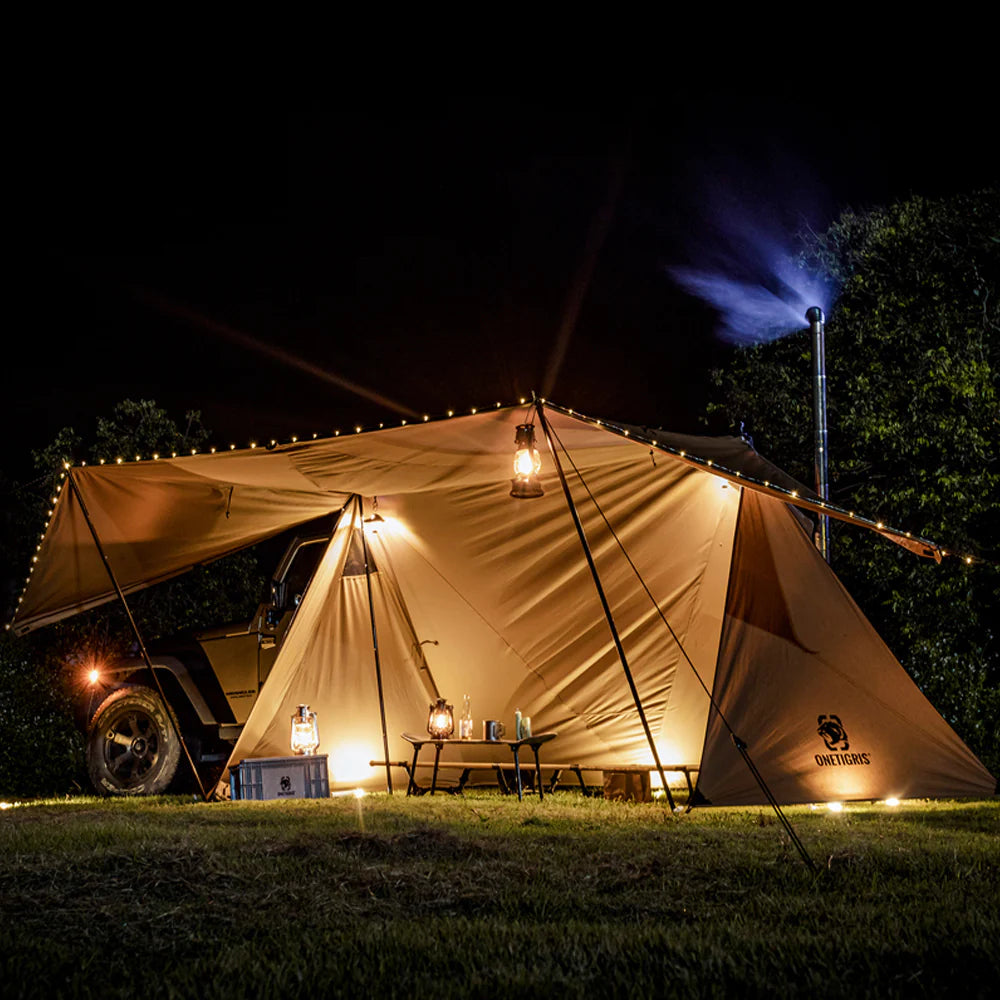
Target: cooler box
280,778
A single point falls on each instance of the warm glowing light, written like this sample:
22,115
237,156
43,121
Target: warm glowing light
527,464
835,807
349,762
359,793
6,805
892,801
93,675
441,720
305,732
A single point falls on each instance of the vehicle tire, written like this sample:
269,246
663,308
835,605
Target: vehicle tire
132,748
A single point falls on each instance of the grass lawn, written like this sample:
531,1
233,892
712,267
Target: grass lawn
482,896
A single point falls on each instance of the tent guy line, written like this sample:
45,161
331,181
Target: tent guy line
741,745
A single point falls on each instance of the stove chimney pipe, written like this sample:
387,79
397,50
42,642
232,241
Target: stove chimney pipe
816,320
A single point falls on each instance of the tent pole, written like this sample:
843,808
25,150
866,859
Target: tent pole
604,603
135,631
378,662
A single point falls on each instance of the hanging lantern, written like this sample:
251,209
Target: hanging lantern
441,720
527,465
305,732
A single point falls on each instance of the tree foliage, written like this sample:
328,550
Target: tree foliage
913,359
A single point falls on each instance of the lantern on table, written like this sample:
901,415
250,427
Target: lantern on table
441,720
305,732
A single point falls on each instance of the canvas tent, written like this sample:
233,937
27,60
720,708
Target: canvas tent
714,587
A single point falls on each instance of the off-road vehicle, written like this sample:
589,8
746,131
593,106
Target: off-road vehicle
211,679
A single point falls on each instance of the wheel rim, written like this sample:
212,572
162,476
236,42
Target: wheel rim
131,747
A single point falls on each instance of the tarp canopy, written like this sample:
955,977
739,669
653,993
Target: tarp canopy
714,587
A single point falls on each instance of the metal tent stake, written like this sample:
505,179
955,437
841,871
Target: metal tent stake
378,662
135,631
604,604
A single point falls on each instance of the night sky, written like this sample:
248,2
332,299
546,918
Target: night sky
254,259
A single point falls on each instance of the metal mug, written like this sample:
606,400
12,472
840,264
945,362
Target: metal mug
493,729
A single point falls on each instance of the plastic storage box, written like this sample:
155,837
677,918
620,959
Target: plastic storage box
280,778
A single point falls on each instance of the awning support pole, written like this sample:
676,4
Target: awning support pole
604,603
378,662
135,631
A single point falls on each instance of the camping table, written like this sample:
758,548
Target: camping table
419,742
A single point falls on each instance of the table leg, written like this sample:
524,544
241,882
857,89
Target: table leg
411,788
517,775
437,758
538,774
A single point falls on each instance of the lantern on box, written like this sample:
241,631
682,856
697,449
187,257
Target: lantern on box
441,720
305,732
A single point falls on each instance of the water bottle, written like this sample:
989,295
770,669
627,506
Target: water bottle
465,722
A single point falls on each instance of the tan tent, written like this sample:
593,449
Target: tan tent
712,581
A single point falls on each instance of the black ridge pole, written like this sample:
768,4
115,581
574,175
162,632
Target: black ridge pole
378,661
604,602
135,630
